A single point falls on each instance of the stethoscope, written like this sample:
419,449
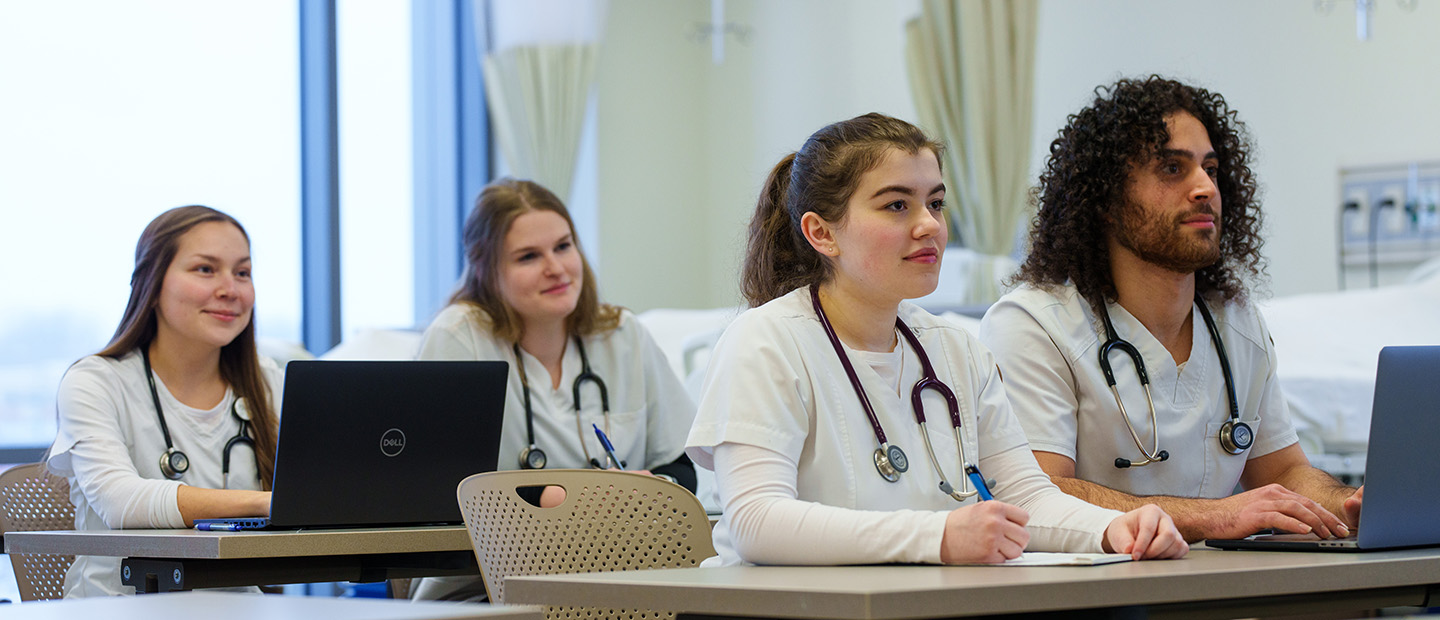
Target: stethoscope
1235,436
533,457
174,463
890,460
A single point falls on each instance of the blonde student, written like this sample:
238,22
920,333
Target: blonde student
846,426
528,297
175,420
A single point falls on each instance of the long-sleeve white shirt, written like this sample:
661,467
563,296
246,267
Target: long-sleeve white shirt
792,448
109,446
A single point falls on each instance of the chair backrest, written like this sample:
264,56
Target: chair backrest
32,500
610,520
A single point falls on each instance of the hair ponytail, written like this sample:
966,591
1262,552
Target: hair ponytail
777,257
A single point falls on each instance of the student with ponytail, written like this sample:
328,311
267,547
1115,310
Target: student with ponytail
175,420
808,398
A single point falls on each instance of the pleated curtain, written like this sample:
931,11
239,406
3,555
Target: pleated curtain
971,67
538,95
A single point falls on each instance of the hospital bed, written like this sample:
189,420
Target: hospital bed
1328,345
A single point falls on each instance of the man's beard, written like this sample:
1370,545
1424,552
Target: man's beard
1164,242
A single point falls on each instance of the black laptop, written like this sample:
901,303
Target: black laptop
380,443
1401,463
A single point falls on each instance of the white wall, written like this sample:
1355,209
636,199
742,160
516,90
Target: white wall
683,144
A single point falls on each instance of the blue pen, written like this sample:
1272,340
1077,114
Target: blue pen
218,527
609,449
978,482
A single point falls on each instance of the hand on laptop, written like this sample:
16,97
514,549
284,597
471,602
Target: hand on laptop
1274,506
1352,507
201,503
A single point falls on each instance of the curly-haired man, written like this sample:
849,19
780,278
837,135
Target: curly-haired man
1147,233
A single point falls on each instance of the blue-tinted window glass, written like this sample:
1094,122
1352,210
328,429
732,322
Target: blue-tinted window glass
113,112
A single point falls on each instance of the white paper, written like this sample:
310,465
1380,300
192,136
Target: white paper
1038,558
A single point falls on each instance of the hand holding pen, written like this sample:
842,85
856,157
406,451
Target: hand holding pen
978,482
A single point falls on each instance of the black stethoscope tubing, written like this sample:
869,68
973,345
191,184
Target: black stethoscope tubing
533,457
890,460
1234,436
173,462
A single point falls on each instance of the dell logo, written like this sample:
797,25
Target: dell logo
392,442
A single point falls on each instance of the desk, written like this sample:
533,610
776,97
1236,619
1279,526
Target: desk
231,606
1206,584
166,560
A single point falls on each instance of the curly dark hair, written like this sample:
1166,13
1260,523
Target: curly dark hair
1082,191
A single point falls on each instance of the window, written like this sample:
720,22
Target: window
113,113
376,217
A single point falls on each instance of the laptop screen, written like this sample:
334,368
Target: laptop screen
383,442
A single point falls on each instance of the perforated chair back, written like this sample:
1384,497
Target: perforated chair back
610,520
32,500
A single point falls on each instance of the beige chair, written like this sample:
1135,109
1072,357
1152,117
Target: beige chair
611,520
32,500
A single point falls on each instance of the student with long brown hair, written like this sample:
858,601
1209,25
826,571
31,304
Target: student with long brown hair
528,297
175,420
813,396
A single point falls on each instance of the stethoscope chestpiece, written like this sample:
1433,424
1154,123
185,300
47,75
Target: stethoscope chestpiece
532,458
890,462
1236,436
174,464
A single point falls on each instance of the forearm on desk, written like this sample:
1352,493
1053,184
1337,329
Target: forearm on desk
769,525
106,477
1195,518
199,503
1058,521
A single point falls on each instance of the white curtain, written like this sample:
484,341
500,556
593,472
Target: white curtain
972,66
538,95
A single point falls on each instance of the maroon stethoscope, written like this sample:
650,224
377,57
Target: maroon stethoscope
890,460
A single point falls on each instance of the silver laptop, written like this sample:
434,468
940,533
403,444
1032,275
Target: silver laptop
1401,463
380,443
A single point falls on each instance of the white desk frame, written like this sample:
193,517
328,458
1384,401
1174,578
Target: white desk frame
168,560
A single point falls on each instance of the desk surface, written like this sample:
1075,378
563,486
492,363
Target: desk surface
230,606
1206,580
194,544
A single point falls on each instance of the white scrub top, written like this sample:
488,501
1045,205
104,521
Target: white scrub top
109,444
774,381
649,409
1048,345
